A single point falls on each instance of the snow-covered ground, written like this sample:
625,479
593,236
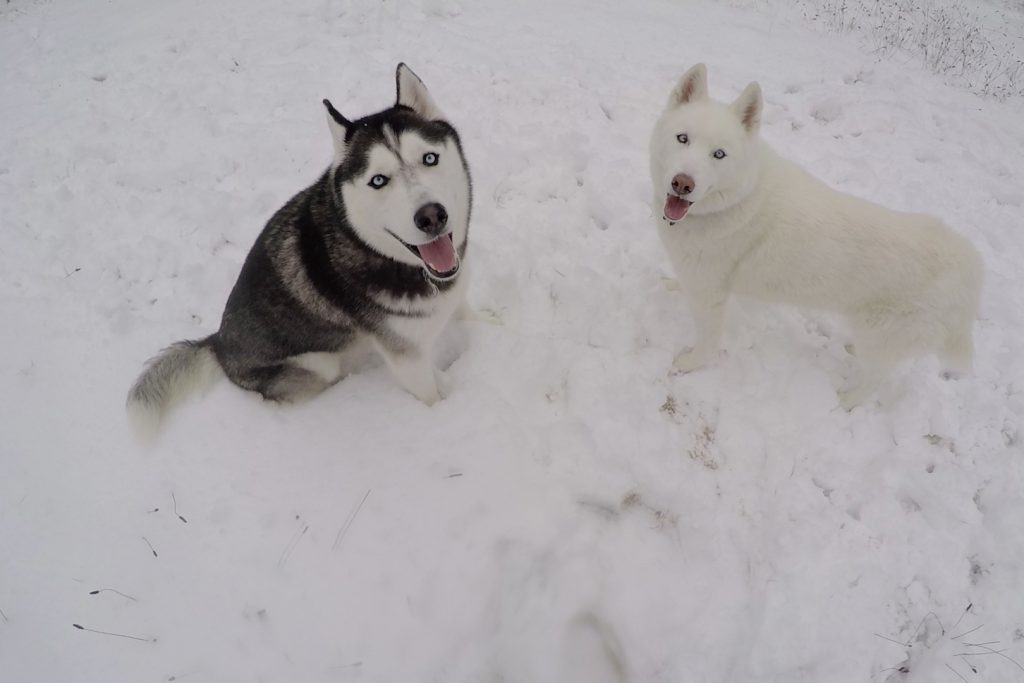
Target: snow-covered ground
571,512
978,44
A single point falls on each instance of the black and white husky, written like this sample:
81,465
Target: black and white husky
372,252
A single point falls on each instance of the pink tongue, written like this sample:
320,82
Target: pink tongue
439,254
675,207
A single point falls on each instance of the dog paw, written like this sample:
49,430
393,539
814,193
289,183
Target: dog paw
429,398
689,361
484,315
847,401
426,390
444,383
852,398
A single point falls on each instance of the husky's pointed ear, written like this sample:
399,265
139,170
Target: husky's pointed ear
413,94
748,107
338,126
691,87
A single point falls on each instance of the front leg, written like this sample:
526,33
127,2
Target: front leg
415,372
708,313
467,314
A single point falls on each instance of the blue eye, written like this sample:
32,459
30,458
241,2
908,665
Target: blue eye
431,158
683,138
378,181
719,154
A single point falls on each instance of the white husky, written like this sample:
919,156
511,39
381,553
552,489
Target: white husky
737,218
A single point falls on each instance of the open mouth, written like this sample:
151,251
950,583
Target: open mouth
675,207
439,257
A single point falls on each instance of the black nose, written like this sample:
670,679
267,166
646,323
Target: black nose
431,218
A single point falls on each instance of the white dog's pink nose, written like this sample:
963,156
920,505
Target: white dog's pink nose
683,184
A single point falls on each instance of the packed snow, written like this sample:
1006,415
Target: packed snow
572,512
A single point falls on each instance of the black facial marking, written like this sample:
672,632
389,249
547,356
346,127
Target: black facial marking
368,132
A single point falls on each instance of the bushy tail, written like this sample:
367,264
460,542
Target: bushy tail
176,372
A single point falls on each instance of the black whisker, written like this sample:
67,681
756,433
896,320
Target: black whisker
1000,653
981,654
965,633
108,633
918,629
966,610
112,590
958,674
971,666
175,502
292,544
879,635
348,521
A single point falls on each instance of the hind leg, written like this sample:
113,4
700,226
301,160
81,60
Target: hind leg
281,382
876,358
884,334
956,353
871,377
872,369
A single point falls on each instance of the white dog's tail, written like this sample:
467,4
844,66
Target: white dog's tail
179,370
